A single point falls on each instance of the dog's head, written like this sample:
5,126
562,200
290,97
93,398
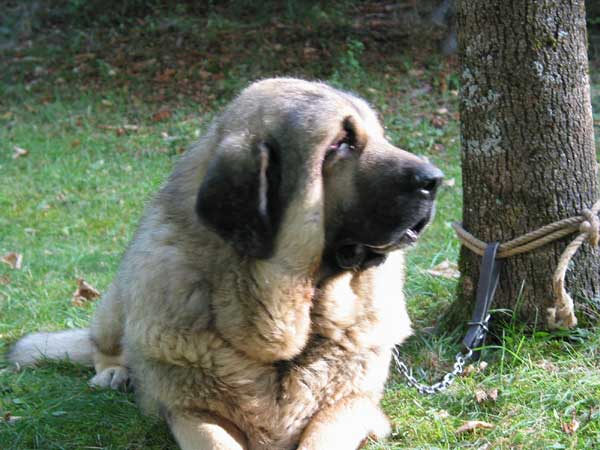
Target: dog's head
282,139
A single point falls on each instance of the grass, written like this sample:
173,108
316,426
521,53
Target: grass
71,205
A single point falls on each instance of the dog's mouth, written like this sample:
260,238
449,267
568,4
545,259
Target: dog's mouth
405,239
352,255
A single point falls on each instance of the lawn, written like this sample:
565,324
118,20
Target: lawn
104,106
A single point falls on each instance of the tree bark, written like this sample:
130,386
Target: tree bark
528,155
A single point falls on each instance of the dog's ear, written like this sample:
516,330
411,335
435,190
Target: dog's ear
239,197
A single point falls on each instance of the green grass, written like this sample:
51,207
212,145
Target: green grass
71,205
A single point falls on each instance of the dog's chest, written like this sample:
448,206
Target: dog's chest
322,376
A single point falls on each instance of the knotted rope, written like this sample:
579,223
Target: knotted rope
588,226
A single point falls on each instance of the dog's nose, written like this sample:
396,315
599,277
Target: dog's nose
426,178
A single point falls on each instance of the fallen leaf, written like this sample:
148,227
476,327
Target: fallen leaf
18,152
480,395
9,418
161,115
7,115
75,143
4,279
165,75
439,121
84,293
442,414
445,269
441,111
416,72
204,74
121,130
548,366
84,56
13,259
571,427
472,425
485,395
471,369
468,371
451,182
309,51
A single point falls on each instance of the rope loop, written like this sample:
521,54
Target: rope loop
591,226
587,225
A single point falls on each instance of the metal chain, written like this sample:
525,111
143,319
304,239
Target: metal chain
459,366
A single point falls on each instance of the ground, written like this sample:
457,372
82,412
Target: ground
94,109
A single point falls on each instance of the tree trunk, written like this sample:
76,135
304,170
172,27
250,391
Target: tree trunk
528,156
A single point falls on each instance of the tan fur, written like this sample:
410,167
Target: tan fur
249,353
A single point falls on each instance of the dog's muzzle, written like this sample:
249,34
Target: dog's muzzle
420,187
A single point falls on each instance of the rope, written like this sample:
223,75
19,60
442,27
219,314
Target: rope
588,226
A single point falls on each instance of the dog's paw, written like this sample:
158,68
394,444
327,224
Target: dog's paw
380,426
115,377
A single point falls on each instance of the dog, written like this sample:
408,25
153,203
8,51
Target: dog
259,301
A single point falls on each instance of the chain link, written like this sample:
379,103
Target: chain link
459,366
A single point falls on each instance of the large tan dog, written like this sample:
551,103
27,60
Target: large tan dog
259,301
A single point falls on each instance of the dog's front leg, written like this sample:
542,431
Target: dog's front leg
345,425
204,431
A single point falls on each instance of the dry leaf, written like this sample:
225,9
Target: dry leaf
468,371
161,115
165,75
571,427
439,121
471,369
472,425
13,259
482,395
84,293
450,182
547,366
9,418
4,279
204,75
119,131
18,152
445,269
309,52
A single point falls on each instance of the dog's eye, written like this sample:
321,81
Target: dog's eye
341,147
337,151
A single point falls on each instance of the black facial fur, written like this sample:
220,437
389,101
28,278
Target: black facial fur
232,200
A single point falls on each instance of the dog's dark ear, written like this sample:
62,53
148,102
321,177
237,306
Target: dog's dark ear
239,197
